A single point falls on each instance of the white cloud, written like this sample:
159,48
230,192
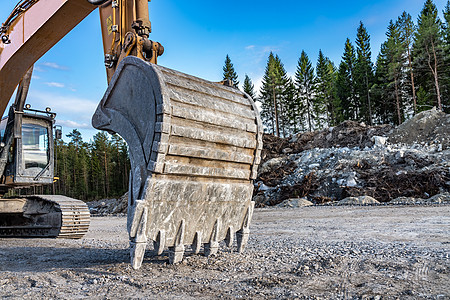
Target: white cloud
74,124
55,84
71,111
53,65
37,69
35,77
250,47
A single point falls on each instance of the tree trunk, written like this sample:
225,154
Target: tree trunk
397,100
412,81
277,128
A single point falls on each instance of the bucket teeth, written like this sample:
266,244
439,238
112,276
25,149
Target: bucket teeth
229,240
242,235
212,247
139,242
176,252
197,245
160,242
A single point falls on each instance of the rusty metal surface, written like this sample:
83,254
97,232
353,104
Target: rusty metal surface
194,148
44,216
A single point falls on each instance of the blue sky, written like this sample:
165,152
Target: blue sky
197,35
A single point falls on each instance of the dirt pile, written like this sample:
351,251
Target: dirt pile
354,160
427,128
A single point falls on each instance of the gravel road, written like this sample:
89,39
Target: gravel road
364,252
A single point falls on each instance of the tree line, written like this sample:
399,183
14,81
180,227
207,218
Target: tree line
95,170
411,74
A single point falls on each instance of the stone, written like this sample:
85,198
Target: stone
295,203
362,200
439,198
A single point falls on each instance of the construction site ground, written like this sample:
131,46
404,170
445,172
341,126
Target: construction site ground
316,252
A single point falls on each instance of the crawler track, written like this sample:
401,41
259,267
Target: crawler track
56,216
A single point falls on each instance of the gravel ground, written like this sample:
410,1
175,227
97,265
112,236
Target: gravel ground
360,252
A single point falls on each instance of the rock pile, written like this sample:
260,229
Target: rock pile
109,206
355,160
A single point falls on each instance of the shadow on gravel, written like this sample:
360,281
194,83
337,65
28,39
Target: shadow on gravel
45,259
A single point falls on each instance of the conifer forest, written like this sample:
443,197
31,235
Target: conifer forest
411,74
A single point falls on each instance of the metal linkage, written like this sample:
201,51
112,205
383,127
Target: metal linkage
18,10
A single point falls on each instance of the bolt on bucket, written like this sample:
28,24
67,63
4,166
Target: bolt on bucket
194,148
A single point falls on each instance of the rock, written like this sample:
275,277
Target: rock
405,200
439,198
362,200
271,164
379,140
295,202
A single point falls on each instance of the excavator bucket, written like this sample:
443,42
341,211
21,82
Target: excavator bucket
194,148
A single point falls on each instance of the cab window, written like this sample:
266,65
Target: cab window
35,146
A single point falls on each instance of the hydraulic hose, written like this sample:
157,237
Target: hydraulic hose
97,2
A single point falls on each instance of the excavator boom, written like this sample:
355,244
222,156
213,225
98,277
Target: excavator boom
31,34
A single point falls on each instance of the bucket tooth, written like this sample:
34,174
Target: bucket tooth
139,242
212,247
197,245
160,242
242,235
176,252
229,239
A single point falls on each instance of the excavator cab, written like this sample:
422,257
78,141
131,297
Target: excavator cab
29,157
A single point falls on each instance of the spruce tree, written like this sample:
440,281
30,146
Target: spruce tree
229,73
270,97
446,47
326,92
428,55
305,82
407,31
380,90
249,87
345,87
394,47
363,73
276,97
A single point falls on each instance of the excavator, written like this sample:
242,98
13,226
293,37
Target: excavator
194,145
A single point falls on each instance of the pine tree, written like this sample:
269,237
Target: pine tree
364,73
305,82
394,47
446,47
380,90
249,87
428,53
229,73
326,92
407,32
345,87
276,97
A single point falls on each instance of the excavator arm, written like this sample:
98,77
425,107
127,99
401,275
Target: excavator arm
35,26
29,34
